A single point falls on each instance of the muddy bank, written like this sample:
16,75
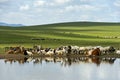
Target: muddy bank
19,56
4,56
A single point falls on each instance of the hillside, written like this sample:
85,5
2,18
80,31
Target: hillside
81,24
52,35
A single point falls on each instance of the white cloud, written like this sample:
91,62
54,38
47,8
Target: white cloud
86,0
17,17
70,8
117,3
85,17
115,14
81,7
3,1
25,7
58,2
62,1
39,3
51,4
59,10
1,10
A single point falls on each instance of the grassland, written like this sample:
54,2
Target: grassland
54,35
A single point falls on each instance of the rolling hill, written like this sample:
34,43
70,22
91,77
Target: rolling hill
54,35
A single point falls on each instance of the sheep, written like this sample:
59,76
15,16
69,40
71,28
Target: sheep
59,52
28,53
117,51
107,50
41,52
50,52
74,49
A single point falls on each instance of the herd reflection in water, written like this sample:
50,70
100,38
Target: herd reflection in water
64,61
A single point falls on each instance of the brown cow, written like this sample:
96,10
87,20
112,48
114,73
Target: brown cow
96,52
93,52
10,52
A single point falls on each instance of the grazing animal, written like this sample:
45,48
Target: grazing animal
50,52
37,48
28,53
42,52
82,50
62,51
59,52
117,51
93,52
10,52
111,49
107,50
74,49
15,50
96,52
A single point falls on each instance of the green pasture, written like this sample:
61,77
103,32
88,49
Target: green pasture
54,35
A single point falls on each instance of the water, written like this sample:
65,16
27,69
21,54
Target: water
60,69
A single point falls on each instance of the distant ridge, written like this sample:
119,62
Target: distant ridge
11,25
81,24
65,24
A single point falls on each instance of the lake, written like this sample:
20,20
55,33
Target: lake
47,68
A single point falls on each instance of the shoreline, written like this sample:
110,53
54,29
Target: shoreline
19,56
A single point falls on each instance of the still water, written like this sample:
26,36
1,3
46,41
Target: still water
60,69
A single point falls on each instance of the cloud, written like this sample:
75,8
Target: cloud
17,17
86,0
81,7
39,3
62,1
49,11
25,7
117,3
117,14
58,2
1,10
85,17
1,1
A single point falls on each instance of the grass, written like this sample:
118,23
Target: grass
54,35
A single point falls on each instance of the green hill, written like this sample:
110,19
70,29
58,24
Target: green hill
53,35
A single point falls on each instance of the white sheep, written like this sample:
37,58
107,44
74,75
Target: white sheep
50,52
29,53
117,51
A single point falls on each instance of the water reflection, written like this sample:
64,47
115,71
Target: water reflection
60,68
64,61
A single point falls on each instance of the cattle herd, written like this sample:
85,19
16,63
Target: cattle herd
63,50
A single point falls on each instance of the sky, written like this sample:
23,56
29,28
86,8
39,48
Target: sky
37,12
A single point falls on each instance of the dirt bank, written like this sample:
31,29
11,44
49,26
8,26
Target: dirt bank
18,56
